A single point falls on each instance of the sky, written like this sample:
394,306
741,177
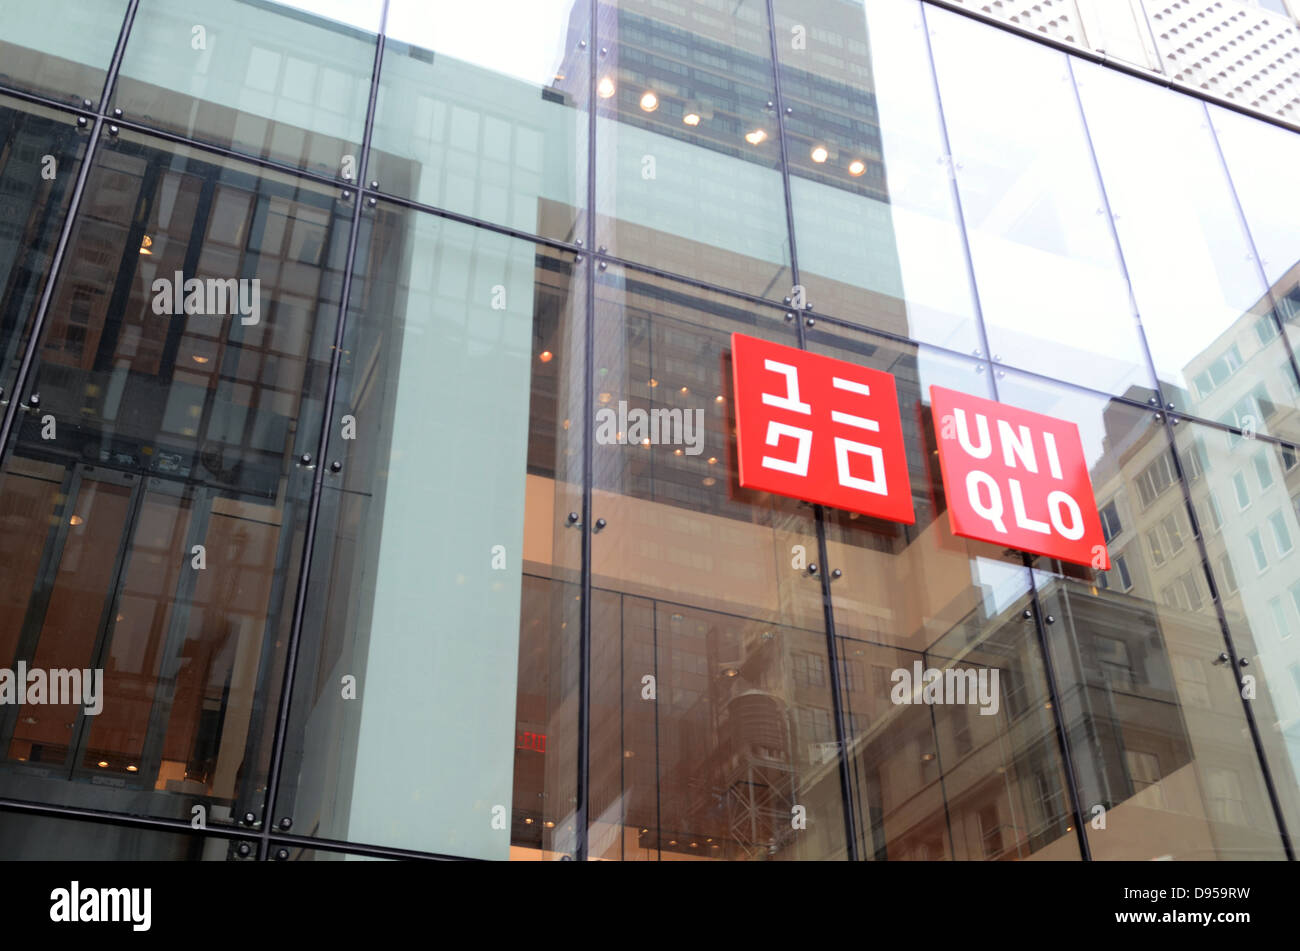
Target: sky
531,49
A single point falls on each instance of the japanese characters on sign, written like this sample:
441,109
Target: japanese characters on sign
819,429
814,428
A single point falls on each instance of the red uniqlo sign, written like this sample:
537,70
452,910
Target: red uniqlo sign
1017,479
819,429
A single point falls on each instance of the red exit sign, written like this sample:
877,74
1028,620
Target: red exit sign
535,742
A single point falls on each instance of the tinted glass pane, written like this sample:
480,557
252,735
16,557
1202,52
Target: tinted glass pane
482,110
711,703
60,48
1203,305
1257,573
688,156
975,780
153,501
1157,730
265,80
38,167
1046,266
874,213
438,650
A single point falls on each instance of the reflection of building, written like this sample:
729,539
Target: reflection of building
1238,49
413,551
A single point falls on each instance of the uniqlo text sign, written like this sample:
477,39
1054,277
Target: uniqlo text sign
1016,478
819,429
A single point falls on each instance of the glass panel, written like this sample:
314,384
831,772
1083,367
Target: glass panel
874,214
153,505
1157,730
1050,284
265,80
482,110
1257,573
39,162
1204,309
711,704
935,781
1261,159
689,173
444,573
41,51
25,837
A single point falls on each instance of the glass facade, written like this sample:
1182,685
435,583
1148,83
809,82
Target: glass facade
326,334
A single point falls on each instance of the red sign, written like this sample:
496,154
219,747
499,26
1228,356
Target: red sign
1017,479
819,429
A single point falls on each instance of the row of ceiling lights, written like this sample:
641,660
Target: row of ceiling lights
650,102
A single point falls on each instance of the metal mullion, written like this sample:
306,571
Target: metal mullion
313,509
1058,713
819,520
583,778
938,762
779,106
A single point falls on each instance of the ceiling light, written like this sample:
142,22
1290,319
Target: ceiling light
198,359
145,245
819,154
76,520
103,764
649,102
857,167
691,118
713,460
756,137
709,481
545,356
605,88
653,383
605,397
685,390
133,769
719,398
